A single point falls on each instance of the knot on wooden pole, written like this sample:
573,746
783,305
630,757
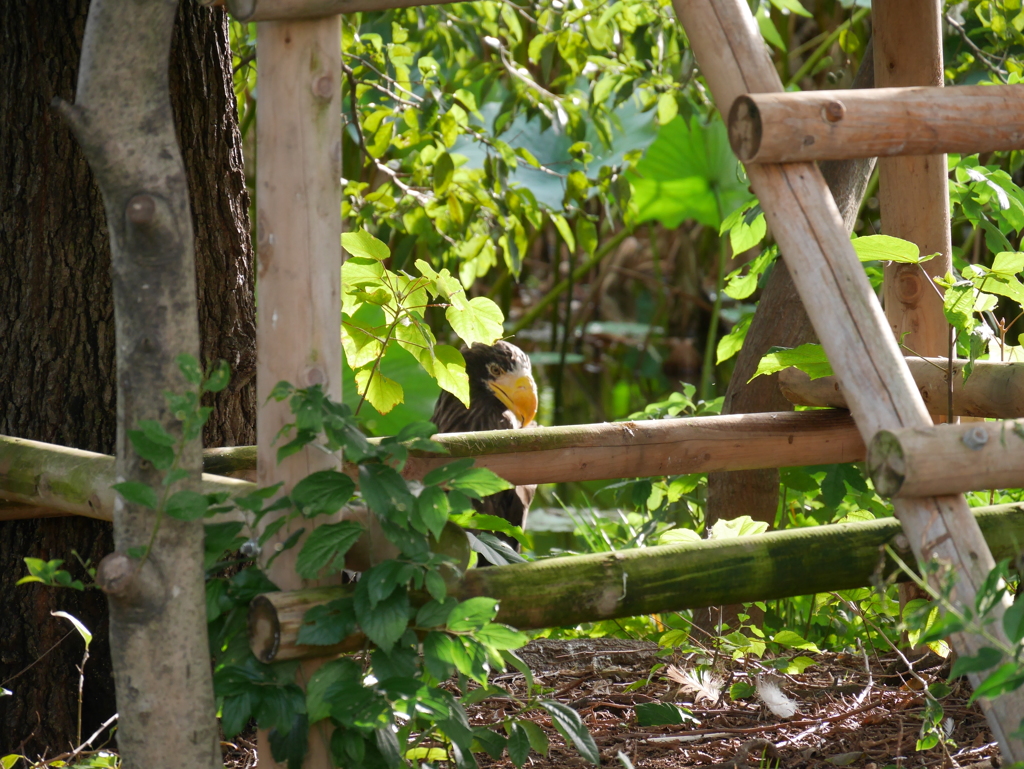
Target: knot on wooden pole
133,585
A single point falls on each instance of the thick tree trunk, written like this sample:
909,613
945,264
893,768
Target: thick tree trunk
56,328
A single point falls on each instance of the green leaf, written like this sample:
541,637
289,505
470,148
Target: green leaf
449,369
660,714
563,229
382,393
793,6
472,614
538,739
668,108
732,343
328,677
501,637
328,623
885,248
322,493
586,235
518,743
385,491
1013,621
741,690
809,358
219,377
444,170
362,244
385,623
795,641
1006,678
433,508
81,628
160,454
478,482
325,547
441,475
985,659
187,505
137,493
741,526
478,320
572,728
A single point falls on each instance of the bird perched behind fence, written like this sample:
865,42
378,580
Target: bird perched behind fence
502,396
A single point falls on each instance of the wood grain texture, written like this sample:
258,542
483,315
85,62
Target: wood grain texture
913,192
948,459
845,313
298,129
995,390
285,10
883,122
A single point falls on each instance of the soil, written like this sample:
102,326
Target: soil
850,711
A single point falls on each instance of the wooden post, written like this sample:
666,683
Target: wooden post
995,390
298,204
883,122
947,459
913,192
734,60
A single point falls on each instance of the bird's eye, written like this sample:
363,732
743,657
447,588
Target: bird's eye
494,369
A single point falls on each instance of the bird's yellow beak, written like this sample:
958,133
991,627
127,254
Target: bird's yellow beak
519,394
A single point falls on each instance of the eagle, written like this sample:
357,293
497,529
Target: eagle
502,396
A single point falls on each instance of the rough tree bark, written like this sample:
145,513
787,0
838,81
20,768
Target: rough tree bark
56,328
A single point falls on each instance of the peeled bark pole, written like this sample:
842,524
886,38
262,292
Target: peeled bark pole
994,390
284,10
841,125
653,448
627,583
298,132
800,211
947,459
122,118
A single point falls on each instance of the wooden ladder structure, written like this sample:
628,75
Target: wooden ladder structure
299,254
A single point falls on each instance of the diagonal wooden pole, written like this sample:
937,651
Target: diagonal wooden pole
847,316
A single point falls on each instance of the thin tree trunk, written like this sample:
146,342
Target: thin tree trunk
56,329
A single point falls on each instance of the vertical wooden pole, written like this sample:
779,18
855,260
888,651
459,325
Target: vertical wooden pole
913,191
298,204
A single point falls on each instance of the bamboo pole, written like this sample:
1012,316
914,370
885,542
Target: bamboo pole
298,201
285,10
734,60
995,390
882,122
947,459
627,583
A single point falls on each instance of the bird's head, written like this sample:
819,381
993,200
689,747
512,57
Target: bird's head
503,371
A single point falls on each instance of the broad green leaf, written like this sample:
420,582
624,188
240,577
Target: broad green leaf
362,244
768,29
518,743
565,231
443,172
501,637
793,6
586,235
741,526
385,491
731,343
794,641
159,453
433,508
450,372
326,546
322,493
441,475
329,676
1005,678
79,626
137,493
660,714
572,728
668,108
360,342
809,358
478,320
478,482
382,393
385,622
538,739
328,623
885,248
187,505
472,614
985,659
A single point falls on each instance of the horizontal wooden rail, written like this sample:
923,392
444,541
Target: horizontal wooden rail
586,588
994,390
878,122
39,477
947,459
654,448
284,10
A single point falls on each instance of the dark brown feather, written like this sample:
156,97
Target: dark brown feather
486,412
